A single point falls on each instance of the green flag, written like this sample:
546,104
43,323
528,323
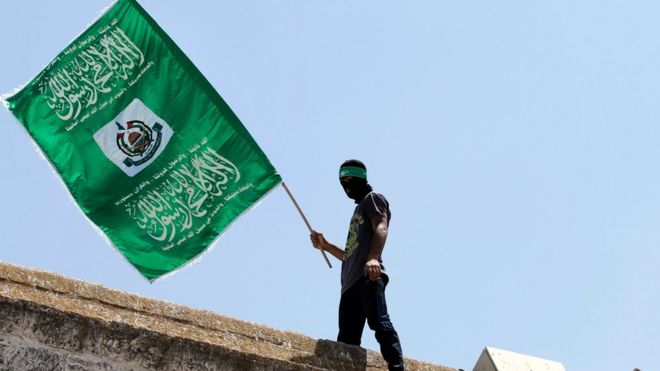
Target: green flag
147,148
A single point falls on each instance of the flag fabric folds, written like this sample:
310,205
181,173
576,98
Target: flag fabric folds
145,145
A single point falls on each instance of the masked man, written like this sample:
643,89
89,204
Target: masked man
363,276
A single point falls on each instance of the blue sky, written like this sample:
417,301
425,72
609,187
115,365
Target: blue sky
516,141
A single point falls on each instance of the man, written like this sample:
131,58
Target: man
363,276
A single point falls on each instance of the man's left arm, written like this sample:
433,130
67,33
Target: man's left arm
379,225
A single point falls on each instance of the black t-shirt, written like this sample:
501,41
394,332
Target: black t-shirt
360,233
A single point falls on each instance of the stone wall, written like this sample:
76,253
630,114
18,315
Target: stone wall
50,322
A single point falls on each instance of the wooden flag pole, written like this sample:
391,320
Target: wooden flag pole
295,203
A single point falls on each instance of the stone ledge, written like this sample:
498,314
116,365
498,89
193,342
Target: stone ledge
81,326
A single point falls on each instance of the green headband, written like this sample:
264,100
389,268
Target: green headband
357,172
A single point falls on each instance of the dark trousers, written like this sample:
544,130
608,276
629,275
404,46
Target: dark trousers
365,300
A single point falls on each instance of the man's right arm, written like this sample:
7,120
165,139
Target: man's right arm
319,242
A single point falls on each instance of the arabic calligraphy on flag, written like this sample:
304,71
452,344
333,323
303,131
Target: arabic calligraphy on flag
147,148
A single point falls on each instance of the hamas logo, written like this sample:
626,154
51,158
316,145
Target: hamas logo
134,139
137,141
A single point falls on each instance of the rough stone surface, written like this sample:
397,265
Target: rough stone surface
50,322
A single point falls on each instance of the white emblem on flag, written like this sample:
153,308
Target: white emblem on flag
134,139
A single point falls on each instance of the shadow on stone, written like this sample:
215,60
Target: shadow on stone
332,355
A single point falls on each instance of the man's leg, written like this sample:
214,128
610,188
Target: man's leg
351,317
379,321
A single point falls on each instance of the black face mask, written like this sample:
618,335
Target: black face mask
355,188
